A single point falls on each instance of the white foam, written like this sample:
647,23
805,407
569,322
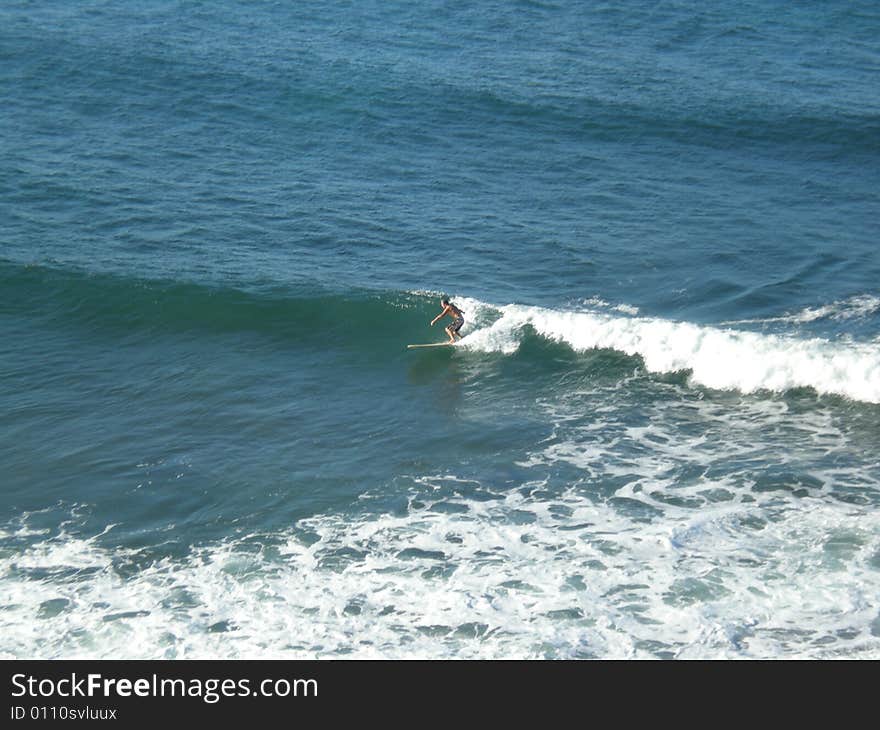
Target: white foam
855,307
717,358
598,303
517,575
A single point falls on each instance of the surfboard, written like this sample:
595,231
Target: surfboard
432,344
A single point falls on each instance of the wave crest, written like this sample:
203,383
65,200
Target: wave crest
718,358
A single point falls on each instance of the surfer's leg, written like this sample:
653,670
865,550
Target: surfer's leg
451,336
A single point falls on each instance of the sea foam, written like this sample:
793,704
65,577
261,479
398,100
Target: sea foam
716,357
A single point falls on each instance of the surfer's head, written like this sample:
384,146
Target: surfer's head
444,300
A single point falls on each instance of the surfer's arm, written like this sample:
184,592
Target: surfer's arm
445,310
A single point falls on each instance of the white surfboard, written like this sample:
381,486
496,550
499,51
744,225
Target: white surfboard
432,344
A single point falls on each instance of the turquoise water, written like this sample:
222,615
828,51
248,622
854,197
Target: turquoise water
223,222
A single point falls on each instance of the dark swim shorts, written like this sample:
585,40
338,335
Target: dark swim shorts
456,324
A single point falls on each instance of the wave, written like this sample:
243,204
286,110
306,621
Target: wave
717,357
856,307
350,93
116,305
709,121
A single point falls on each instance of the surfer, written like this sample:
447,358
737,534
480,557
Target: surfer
457,319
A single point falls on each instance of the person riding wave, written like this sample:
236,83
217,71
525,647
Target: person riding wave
457,319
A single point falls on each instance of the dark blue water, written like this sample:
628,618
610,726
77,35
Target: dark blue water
221,223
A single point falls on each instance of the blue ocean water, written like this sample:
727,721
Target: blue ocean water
221,224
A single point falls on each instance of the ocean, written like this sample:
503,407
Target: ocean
221,224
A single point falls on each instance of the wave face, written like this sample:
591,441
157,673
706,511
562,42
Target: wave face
111,305
715,357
